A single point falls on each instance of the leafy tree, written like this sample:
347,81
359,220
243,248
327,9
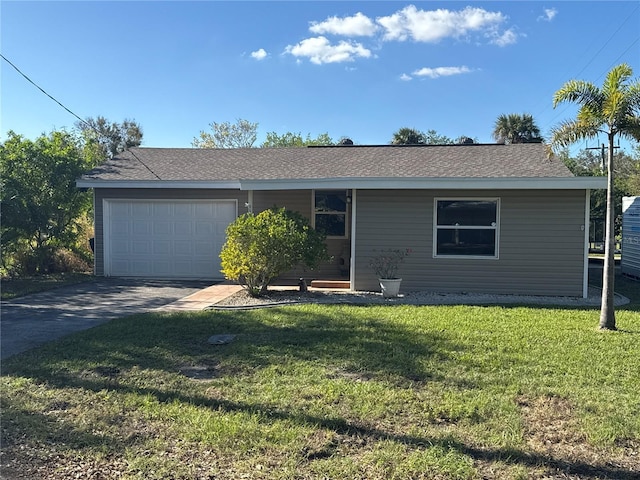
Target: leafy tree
261,247
411,136
432,137
626,168
110,138
613,110
634,174
42,210
290,139
516,128
408,136
242,134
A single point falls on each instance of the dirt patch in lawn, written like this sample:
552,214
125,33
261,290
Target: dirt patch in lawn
552,432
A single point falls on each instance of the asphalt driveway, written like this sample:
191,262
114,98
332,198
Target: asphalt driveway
32,320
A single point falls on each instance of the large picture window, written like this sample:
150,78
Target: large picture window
466,228
330,212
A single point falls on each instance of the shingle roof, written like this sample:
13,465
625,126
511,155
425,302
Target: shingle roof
442,161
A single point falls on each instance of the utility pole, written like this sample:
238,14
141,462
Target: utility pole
602,150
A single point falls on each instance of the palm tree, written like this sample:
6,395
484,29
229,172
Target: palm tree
408,136
516,128
612,110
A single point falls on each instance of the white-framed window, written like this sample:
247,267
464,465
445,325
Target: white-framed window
330,212
466,227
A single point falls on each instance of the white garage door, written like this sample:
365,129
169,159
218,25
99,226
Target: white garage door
165,239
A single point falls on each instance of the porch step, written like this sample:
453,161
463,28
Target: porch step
330,284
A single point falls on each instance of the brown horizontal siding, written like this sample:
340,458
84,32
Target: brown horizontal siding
540,245
301,201
295,200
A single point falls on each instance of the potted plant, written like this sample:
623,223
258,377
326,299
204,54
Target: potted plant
385,264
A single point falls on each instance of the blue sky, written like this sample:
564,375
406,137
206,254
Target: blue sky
356,69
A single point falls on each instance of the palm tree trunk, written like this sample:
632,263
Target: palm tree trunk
607,310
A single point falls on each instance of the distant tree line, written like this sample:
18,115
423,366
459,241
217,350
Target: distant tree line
626,182
509,128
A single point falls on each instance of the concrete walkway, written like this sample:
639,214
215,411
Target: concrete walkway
203,298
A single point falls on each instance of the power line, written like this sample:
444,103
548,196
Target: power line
42,90
593,57
92,127
607,42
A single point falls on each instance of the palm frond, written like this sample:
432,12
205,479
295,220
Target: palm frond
633,94
616,79
577,91
572,131
630,128
614,109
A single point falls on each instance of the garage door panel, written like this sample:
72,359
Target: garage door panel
120,247
120,266
183,228
203,228
162,209
183,268
202,270
203,210
166,239
141,210
120,209
161,228
183,210
120,227
161,247
202,249
140,267
142,228
184,248
162,268
141,247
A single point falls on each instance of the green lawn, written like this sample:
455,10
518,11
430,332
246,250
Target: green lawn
339,391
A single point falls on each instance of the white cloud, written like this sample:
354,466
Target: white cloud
319,50
441,71
548,15
508,37
409,23
434,25
358,25
260,54
406,78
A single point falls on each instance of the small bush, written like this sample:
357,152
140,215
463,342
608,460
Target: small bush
261,247
47,261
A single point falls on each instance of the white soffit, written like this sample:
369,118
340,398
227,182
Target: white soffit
467,183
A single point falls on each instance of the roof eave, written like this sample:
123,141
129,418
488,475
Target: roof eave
188,184
393,183
458,183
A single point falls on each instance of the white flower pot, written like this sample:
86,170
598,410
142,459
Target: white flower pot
390,286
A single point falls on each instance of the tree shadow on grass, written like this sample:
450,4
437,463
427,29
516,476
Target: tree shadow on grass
164,342
382,347
337,425
43,427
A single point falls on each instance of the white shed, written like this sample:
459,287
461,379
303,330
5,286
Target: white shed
630,262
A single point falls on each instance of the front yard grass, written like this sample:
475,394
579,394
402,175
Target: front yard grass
311,391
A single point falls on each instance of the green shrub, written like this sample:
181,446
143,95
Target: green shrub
42,209
261,247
